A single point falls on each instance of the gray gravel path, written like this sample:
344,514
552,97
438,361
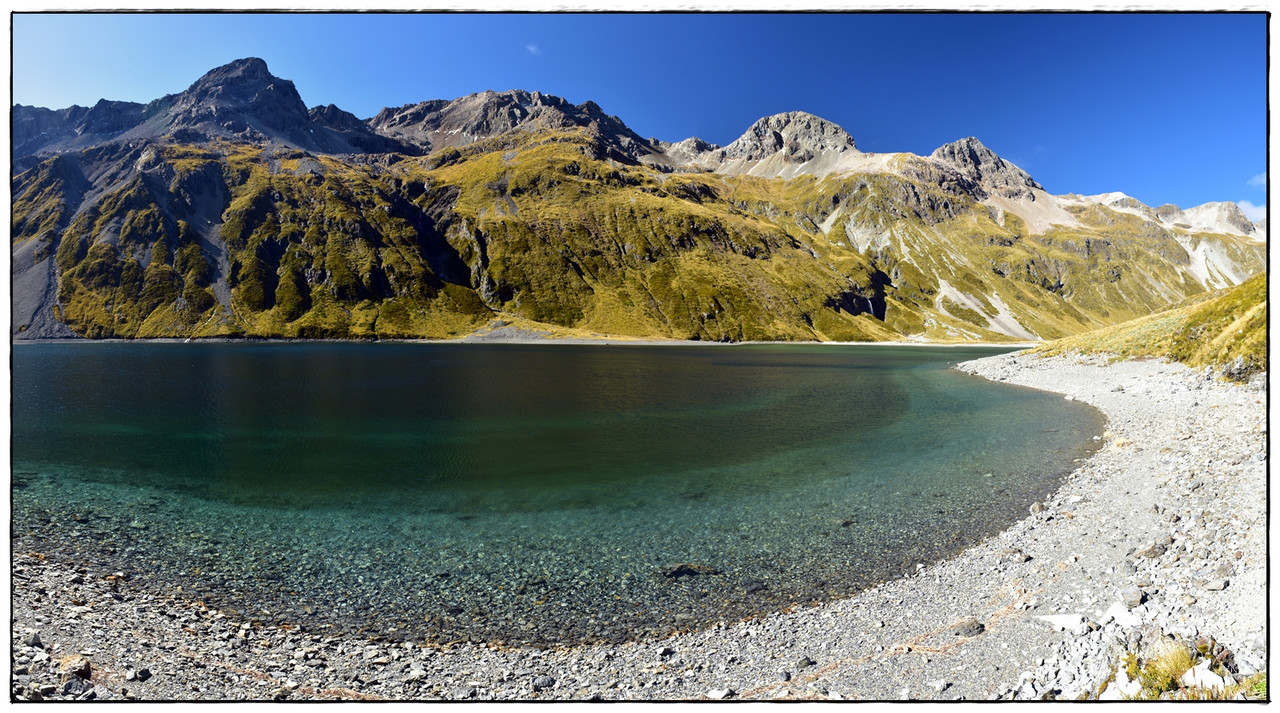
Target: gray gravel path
1169,516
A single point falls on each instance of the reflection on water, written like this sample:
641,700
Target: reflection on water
360,472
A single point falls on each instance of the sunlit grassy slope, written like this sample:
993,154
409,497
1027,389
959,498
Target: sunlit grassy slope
161,239
1213,329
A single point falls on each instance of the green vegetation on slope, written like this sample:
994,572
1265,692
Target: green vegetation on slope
234,239
1226,328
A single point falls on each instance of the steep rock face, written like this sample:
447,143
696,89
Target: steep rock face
683,153
240,102
35,128
797,135
981,165
783,145
1220,217
237,99
243,101
1173,215
438,124
343,132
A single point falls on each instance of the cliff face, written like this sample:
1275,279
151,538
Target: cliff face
232,209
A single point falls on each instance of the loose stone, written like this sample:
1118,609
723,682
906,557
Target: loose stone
75,665
969,627
543,682
1132,597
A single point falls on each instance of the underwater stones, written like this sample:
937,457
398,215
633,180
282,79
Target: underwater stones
688,570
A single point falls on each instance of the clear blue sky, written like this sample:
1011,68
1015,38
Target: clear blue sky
1169,108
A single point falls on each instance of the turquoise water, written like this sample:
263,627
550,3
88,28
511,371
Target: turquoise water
523,493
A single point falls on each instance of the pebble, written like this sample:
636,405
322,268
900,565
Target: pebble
543,682
76,665
1132,597
969,627
886,629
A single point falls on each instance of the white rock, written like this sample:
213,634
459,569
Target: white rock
1063,622
1123,616
1126,685
717,694
1201,676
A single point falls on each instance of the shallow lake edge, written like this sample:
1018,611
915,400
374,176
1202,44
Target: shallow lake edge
823,631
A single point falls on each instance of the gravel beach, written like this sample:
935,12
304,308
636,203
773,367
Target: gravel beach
1161,533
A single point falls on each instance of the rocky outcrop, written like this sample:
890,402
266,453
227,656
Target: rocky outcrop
239,99
981,165
438,124
35,128
1222,217
353,134
797,135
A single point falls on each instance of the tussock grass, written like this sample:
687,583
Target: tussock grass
1218,329
1160,672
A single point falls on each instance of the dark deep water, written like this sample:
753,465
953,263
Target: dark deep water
525,493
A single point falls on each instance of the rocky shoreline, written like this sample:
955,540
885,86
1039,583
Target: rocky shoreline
1161,533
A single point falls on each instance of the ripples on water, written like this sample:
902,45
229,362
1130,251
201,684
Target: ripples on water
529,493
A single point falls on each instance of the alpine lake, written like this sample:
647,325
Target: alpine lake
524,494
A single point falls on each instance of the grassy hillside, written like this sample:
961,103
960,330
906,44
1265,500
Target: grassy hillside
161,239
1226,328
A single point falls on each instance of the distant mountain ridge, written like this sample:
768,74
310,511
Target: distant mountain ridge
232,208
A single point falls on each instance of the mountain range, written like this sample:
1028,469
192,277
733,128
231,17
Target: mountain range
231,209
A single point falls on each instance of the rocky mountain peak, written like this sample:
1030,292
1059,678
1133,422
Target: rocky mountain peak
437,124
981,165
1220,216
799,135
334,117
238,97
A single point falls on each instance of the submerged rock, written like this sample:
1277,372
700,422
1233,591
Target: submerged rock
688,570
